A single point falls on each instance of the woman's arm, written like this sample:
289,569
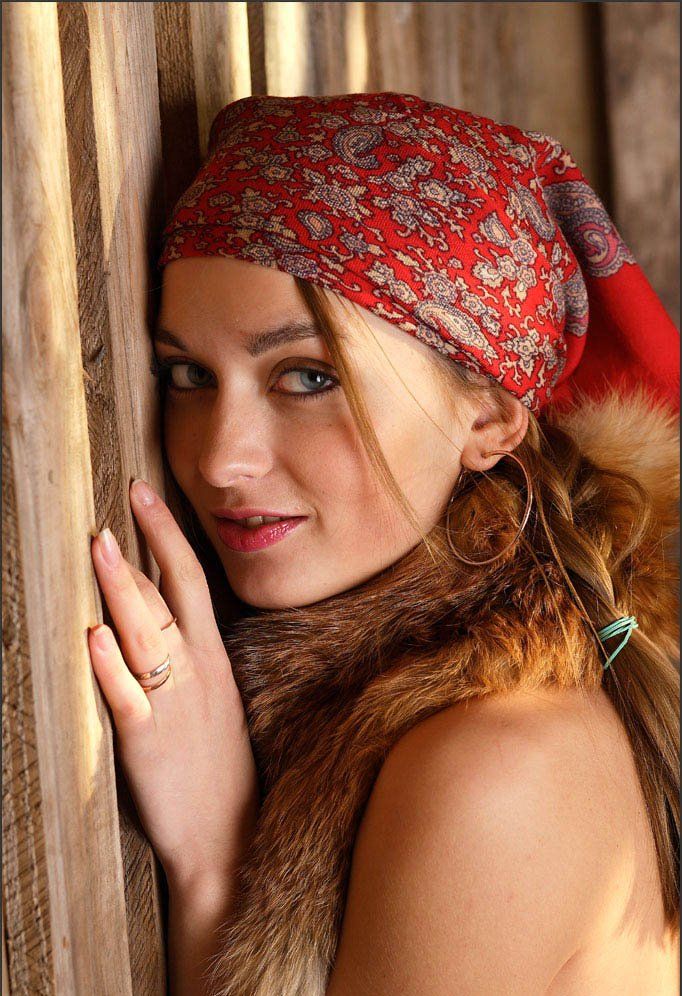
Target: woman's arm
198,905
183,744
200,900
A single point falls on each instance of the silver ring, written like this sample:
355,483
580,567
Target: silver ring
163,669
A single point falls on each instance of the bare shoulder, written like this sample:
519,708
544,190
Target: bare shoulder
554,755
552,739
488,842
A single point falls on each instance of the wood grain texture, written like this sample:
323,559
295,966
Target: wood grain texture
176,95
27,939
393,43
641,44
107,108
530,64
97,278
287,49
326,29
255,18
128,148
220,55
5,969
46,428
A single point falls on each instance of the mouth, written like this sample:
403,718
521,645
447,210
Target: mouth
252,532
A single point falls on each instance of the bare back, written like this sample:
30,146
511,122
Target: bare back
626,950
629,951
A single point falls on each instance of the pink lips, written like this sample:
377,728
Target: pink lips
244,540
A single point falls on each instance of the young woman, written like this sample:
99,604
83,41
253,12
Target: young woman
437,751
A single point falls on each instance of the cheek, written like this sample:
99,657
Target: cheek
316,455
329,461
423,460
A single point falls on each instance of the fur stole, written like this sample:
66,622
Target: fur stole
331,687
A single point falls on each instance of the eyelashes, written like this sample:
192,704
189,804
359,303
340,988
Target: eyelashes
162,370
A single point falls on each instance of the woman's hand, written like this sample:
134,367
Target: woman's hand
184,746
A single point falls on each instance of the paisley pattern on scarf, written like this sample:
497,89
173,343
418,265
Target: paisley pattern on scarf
596,242
466,233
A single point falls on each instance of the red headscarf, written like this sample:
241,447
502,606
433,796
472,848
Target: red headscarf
483,240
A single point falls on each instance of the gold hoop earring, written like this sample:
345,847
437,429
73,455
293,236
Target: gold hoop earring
526,514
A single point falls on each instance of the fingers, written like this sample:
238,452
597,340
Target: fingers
126,698
143,644
152,596
184,581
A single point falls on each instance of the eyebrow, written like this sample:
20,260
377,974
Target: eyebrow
260,342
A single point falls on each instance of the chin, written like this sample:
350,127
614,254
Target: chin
266,587
269,596
284,589
274,590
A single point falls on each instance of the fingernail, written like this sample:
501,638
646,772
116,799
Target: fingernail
110,549
101,635
142,491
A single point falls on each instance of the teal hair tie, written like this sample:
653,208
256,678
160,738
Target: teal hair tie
625,624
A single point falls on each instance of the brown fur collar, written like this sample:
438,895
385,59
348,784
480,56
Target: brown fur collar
330,688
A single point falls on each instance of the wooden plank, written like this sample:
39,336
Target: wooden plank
123,73
27,952
103,279
338,50
288,62
220,52
529,64
5,969
325,31
357,55
48,443
438,29
641,43
255,16
392,41
176,96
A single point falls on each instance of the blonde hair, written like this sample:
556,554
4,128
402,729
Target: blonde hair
570,530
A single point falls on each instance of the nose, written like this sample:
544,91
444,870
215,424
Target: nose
234,445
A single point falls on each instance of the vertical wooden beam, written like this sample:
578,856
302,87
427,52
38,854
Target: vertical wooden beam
438,29
116,208
357,54
255,18
46,428
220,52
5,970
325,31
531,64
392,40
124,76
26,899
176,97
288,62
641,43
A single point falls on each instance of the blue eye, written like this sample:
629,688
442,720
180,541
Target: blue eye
298,382
308,380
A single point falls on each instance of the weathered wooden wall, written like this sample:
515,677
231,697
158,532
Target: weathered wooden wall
106,111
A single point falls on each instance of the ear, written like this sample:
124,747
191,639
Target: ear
495,427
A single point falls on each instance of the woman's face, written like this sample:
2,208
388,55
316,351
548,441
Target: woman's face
255,423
